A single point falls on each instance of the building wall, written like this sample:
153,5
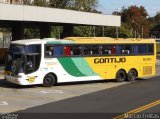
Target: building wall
42,14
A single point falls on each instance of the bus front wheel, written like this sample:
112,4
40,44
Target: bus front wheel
49,80
131,76
121,76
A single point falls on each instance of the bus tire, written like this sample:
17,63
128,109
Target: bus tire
49,80
120,76
132,75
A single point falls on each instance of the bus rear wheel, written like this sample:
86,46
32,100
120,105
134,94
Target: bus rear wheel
121,76
132,75
49,80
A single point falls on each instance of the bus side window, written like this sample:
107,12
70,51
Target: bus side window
95,50
58,50
49,51
105,49
113,49
87,50
76,50
127,49
91,50
143,49
118,49
67,50
135,49
106,52
150,48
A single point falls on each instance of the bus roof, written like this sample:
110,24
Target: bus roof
33,41
99,40
82,40
27,41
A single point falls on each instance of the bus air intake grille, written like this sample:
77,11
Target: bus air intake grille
147,70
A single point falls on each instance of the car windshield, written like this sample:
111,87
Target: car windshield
23,59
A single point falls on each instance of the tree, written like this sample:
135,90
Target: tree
27,2
80,5
123,31
60,3
56,31
155,25
30,33
133,13
85,5
155,31
40,3
157,18
83,31
136,19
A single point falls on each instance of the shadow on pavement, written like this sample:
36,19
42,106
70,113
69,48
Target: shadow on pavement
86,82
6,84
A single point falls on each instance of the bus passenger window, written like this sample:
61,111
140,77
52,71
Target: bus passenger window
76,50
113,50
49,51
91,50
105,49
95,50
135,49
107,52
143,49
67,50
150,49
58,50
127,49
87,50
118,49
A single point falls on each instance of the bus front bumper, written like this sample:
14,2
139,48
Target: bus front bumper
12,79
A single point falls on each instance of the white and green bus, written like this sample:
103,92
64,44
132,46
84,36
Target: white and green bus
50,61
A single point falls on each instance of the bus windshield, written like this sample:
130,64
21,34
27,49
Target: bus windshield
23,59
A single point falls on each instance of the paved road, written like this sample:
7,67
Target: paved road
14,97
104,104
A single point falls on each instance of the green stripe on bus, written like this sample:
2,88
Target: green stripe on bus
70,67
83,66
59,42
